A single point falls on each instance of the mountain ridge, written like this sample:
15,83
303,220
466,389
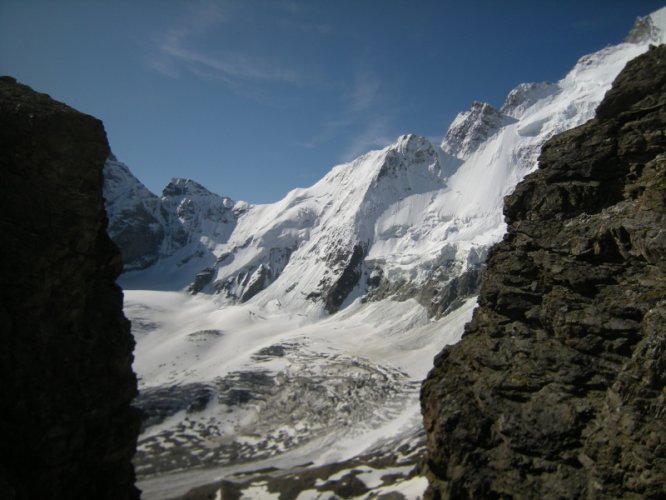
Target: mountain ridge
384,224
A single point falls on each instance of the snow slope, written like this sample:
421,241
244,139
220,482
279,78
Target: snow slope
277,335
230,389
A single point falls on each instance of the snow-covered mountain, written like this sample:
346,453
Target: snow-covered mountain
403,221
352,284
185,224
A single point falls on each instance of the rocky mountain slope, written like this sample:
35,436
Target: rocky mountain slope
557,388
66,427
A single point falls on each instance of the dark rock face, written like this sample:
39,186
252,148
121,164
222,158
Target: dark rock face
440,301
250,279
140,235
558,387
439,295
349,277
66,427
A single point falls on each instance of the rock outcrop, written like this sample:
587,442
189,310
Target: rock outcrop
66,426
558,387
470,129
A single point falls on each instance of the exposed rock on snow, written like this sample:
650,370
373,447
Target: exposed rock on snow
556,388
648,29
525,95
472,128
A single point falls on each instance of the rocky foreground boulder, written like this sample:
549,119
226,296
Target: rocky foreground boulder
558,387
66,427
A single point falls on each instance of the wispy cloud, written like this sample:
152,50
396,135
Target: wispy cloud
375,136
365,110
364,93
228,66
329,130
187,49
224,41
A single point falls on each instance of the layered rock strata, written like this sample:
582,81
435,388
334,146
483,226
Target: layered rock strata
558,386
66,426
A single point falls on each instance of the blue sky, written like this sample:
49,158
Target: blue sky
254,98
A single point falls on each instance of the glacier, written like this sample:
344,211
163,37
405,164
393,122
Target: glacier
296,334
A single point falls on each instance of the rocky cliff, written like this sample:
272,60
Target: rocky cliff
558,387
66,427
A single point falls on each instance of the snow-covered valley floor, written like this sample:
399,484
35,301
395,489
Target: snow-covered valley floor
229,390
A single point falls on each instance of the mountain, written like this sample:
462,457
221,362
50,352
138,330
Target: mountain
565,397
401,222
298,332
185,223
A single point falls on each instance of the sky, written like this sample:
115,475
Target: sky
253,98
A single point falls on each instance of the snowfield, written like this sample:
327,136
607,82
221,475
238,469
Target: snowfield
242,388
292,337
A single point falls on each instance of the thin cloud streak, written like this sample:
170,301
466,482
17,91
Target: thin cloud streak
366,107
375,136
178,52
230,66
330,130
362,119
365,92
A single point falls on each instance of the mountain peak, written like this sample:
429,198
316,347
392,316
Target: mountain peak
411,142
525,95
470,128
184,187
650,28
412,156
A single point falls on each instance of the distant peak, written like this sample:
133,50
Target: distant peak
524,95
470,128
183,187
411,142
650,28
482,106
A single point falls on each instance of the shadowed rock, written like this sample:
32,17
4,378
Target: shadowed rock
558,387
66,427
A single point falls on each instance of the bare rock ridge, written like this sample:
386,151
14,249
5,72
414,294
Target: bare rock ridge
558,386
66,427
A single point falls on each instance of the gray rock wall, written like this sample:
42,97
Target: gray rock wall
66,383
558,387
